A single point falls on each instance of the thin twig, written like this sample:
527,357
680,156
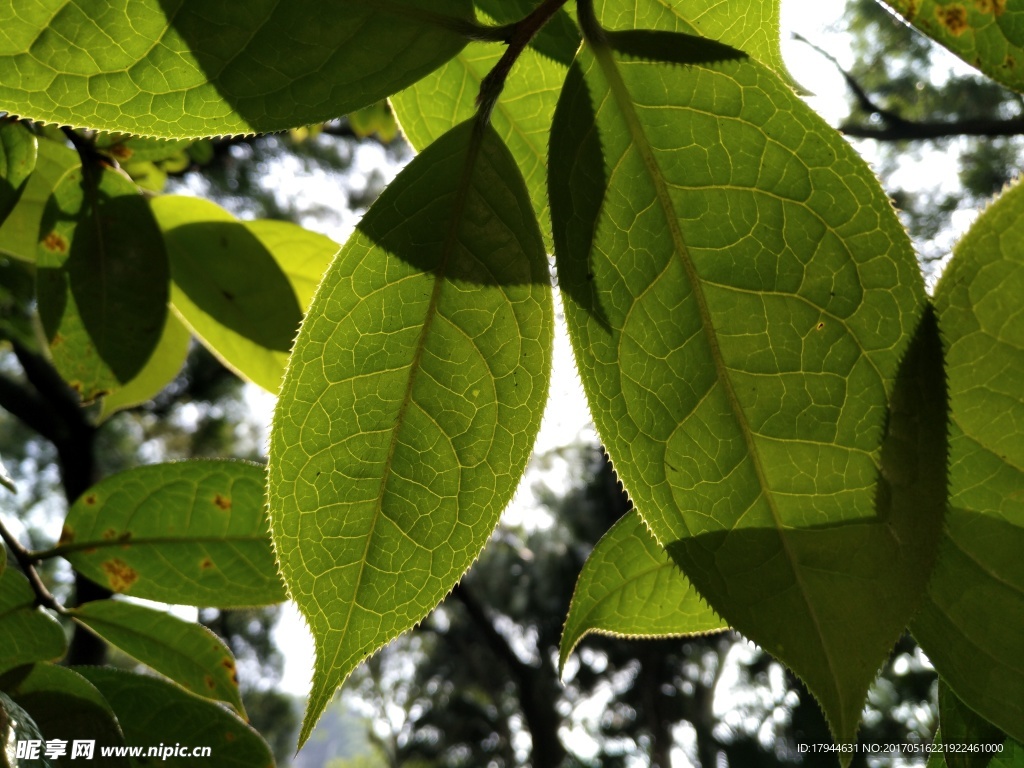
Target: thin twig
28,567
519,36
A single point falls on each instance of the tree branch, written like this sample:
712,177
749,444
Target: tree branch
538,705
28,408
894,127
24,559
908,130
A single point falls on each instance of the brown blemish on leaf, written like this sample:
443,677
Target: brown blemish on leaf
109,534
229,665
90,499
120,575
222,502
991,6
209,682
66,536
56,243
121,152
229,736
1009,62
953,17
207,564
821,326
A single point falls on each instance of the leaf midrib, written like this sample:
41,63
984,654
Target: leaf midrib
605,59
450,243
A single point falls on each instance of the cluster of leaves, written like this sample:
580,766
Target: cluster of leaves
819,456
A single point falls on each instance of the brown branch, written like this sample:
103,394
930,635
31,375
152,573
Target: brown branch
894,127
28,567
537,704
909,130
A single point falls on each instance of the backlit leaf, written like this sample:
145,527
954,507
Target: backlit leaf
753,28
739,295
188,68
64,705
411,401
186,652
987,34
522,116
102,280
972,623
164,364
630,587
241,286
18,151
27,633
191,532
153,712
19,233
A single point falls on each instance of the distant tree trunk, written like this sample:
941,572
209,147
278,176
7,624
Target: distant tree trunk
74,438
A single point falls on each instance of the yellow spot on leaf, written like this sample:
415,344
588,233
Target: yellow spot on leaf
222,502
206,564
56,243
953,18
991,6
120,575
66,536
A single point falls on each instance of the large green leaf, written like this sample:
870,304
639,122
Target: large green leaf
186,68
152,712
739,294
972,623
27,633
18,152
241,286
186,652
192,532
522,116
630,587
102,280
411,401
64,705
19,233
987,34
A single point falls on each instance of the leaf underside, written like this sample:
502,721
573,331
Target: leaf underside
987,34
190,68
972,622
411,401
739,295
27,633
630,587
190,532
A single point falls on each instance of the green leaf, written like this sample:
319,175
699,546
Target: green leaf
164,364
19,234
186,652
522,116
27,633
18,303
630,587
191,532
17,725
102,280
973,618
18,152
153,712
987,34
189,68
754,29
738,367
241,286
411,401
960,725
64,705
